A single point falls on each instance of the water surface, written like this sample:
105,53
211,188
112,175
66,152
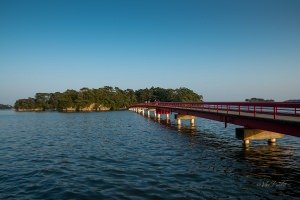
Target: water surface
122,155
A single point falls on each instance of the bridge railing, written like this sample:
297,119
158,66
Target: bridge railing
253,108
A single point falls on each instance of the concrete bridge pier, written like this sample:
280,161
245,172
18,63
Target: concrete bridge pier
158,116
192,120
167,117
141,111
272,141
149,112
180,117
178,121
247,134
160,112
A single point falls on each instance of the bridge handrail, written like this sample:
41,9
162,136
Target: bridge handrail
266,104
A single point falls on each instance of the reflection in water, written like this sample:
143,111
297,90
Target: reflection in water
264,158
274,165
187,129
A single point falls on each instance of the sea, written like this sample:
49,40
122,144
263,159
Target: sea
124,155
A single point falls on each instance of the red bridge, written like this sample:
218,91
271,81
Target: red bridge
270,117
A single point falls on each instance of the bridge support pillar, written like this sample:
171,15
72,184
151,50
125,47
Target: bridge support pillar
140,111
192,121
158,116
178,121
149,113
272,141
246,142
167,117
180,117
247,134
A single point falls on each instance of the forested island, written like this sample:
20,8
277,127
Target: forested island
103,99
293,101
254,99
5,107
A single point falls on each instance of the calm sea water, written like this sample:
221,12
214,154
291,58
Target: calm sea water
122,155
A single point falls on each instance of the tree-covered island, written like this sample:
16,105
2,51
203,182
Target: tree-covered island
254,99
103,99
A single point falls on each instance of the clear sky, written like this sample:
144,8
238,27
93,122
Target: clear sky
225,50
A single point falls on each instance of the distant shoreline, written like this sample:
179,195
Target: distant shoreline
5,107
41,111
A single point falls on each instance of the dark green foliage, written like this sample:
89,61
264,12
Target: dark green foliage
109,97
167,95
26,104
259,100
3,107
42,100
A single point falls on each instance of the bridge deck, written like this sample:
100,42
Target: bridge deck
258,115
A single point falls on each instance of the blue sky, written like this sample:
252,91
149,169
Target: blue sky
224,50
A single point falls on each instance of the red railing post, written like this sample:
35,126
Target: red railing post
254,110
239,109
227,108
274,112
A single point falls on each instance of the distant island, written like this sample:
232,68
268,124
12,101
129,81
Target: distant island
102,99
293,101
5,107
254,99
